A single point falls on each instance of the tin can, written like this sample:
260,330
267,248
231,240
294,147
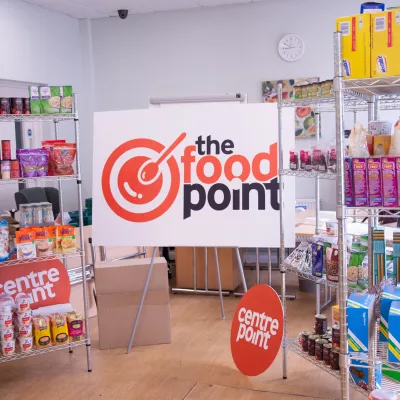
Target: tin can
326,352
336,336
304,340
311,344
6,150
5,168
26,104
15,172
326,337
334,358
319,349
16,105
321,324
4,105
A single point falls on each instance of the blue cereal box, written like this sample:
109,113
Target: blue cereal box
394,332
390,293
359,371
360,317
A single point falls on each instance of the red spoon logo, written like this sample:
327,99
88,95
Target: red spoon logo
141,179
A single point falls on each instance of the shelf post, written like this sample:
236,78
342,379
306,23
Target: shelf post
282,235
341,216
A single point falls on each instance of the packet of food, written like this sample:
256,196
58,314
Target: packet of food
59,329
44,242
50,99
41,332
25,243
66,239
75,326
63,157
66,94
24,330
49,146
7,334
6,320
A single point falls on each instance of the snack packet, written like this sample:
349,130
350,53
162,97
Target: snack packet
41,332
25,243
49,146
59,329
44,242
75,326
66,239
63,157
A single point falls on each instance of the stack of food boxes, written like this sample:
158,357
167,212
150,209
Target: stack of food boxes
370,44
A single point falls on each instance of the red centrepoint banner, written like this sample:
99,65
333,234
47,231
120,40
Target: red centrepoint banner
257,330
47,282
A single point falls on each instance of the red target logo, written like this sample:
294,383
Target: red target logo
141,179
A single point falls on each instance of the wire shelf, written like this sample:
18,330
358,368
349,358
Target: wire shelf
308,174
37,352
293,346
374,212
387,88
14,261
36,117
39,180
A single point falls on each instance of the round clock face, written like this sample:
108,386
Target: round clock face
291,48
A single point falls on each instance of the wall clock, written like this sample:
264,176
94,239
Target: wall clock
291,48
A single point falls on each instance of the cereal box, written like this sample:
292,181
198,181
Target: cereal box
398,179
360,372
374,182
360,317
356,45
25,243
385,43
389,182
349,193
360,182
394,332
390,293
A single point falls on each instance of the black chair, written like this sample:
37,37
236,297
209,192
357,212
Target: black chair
39,195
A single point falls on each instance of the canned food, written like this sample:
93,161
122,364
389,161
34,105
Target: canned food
7,334
326,352
319,349
15,171
26,104
25,344
6,150
304,340
336,336
311,344
25,331
5,169
4,105
321,324
334,358
8,348
326,337
16,105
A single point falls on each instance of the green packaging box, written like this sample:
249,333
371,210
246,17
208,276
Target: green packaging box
66,95
50,99
394,332
34,99
389,294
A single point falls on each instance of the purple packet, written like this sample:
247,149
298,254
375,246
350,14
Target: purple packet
398,179
348,177
374,182
42,162
389,182
27,163
359,166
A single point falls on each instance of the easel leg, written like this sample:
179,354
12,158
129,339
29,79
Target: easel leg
258,266
241,270
269,267
221,299
146,285
194,270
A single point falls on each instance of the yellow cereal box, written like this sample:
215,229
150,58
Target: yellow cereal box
385,56
356,45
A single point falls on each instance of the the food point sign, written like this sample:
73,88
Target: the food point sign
203,176
257,330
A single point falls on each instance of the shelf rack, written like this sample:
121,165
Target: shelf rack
84,271
370,95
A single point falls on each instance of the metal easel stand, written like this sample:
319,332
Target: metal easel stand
341,217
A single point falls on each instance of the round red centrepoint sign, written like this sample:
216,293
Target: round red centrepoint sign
257,330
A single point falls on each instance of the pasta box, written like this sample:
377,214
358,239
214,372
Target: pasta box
360,317
389,294
359,371
394,332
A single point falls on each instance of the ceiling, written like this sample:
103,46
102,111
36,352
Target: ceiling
108,8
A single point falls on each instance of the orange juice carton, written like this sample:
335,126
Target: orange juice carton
385,43
356,45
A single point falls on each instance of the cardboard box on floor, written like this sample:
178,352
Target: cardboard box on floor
119,286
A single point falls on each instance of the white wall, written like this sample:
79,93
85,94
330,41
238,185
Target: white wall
40,46
214,51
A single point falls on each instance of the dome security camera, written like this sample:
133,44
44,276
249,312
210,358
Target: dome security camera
122,13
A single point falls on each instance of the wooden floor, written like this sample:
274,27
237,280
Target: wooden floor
197,365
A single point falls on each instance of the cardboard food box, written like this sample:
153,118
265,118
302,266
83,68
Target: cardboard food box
349,187
356,45
389,182
360,317
119,286
50,99
66,98
34,99
374,182
394,332
385,43
389,294
359,371
360,181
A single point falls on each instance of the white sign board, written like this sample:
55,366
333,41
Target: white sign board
191,177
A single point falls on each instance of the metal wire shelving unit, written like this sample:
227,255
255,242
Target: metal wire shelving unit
370,95
76,273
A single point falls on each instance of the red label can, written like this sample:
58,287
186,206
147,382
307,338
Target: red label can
6,150
15,171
